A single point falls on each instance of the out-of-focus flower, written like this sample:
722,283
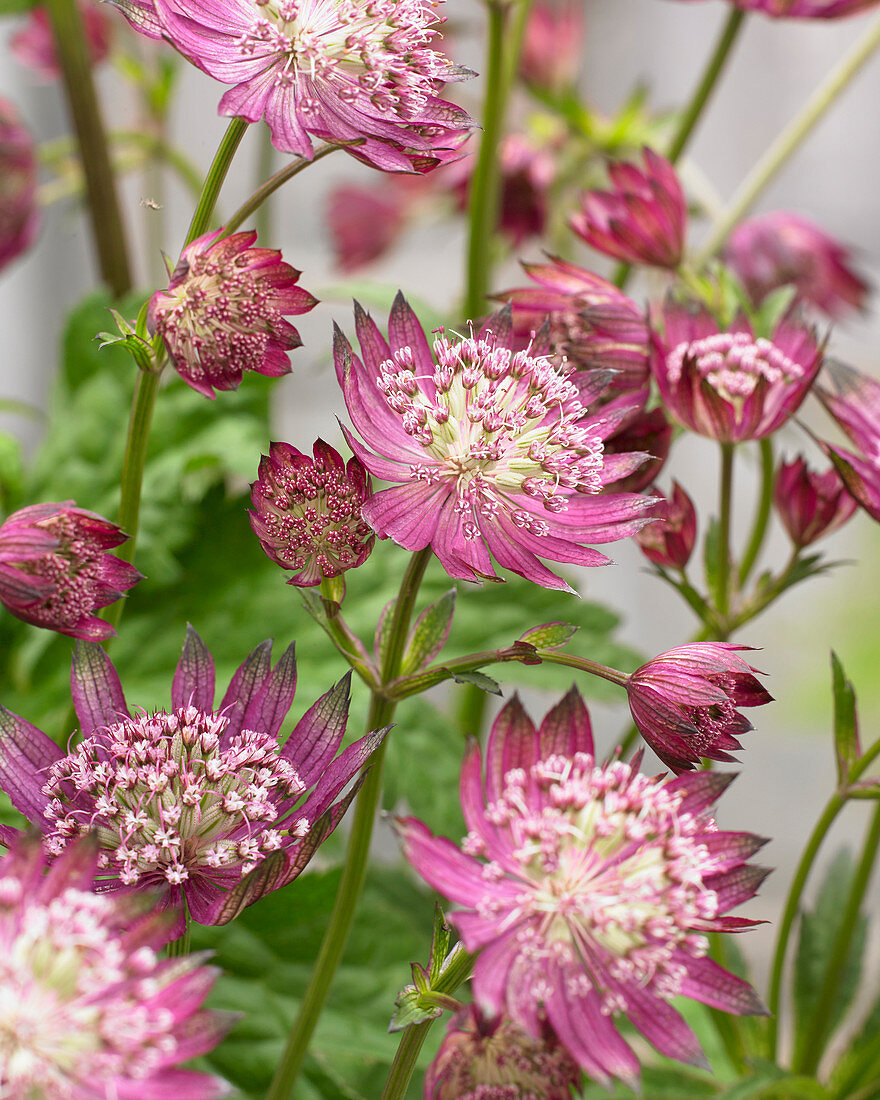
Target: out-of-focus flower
481,1059
670,541
810,504
34,44
333,69
55,569
552,44
222,313
854,403
732,385
648,433
194,798
364,223
493,451
590,890
89,1010
806,9
307,512
782,248
19,217
684,702
642,219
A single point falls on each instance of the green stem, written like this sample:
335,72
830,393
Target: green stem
835,805
181,946
725,504
231,140
354,872
470,713
583,664
486,181
762,515
265,161
809,1050
108,230
787,143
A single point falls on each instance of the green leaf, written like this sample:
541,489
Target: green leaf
16,7
549,636
772,309
479,680
429,633
846,724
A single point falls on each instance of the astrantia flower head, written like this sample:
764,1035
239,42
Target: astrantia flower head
589,890
642,219
307,512
853,399
191,799
670,541
647,432
364,222
19,217
222,313
684,702
810,504
55,569
732,385
88,1010
496,1059
336,69
493,451
782,248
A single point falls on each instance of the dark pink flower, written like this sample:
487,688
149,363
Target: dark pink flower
483,1058
806,9
810,504
19,216
195,798
493,452
364,223
307,512
34,44
854,402
589,890
552,44
670,541
780,248
333,69
222,313
685,701
731,385
90,1010
642,219
645,432
55,569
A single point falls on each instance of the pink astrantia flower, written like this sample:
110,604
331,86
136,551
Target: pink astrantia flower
19,217
647,432
810,504
552,44
196,798
589,890
493,451
89,1010
670,542
854,402
806,9
782,248
495,1059
364,223
55,569
307,512
731,385
642,219
34,44
222,313
684,702
334,69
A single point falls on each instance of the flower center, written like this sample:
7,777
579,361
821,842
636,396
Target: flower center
167,799
74,569
733,363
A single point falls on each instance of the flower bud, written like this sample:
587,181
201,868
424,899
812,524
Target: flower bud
810,504
552,44
670,541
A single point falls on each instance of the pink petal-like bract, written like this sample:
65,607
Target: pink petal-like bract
89,1009
307,512
34,44
204,801
806,9
553,44
853,399
589,890
223,312
810,504
19,215
492,451
684,702
55,569
670,541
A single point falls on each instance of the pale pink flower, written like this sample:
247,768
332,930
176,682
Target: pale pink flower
223,312
55,569
196,798
810,504
34,44
589,890
670,541
493,452
19,216
553,44
89,1011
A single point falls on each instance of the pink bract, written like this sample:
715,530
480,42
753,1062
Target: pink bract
552,44
492,451
34,44
364,223
205,803
810,504
731,385
670,541
333,69
684,702
90,1011
222,314
854,402
589,890
55,569
19,215
806,9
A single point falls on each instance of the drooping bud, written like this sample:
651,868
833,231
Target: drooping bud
810,504
670,541
55,571
307,512
19,218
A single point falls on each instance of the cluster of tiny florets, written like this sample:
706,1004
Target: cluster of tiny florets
167,799
74,569
734,362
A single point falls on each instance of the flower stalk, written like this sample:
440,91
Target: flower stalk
725,508
230,142
762,513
